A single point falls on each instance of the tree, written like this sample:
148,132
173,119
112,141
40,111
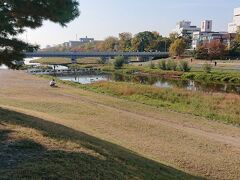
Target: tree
17,15
216,49
110,44
125,41
201,51
119,62
237,38
161,44
143,41
173,37
234,50
178,47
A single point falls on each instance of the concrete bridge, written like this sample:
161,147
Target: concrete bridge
75,55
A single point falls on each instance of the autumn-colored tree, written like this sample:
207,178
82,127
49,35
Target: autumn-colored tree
110,44
173,37
125,41
202,51
178,47
216,49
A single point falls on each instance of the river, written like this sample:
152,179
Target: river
155,81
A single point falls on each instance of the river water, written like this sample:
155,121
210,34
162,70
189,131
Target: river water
155,81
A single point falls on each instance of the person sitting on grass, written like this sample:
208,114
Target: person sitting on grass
52,83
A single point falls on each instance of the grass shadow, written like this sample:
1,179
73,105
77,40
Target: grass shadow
40,162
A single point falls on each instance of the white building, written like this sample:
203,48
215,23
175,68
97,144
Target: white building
233,26
78,43
184,28
206,26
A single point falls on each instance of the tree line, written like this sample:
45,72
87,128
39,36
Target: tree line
142,41
153,41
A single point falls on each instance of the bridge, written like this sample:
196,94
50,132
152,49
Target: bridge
75,55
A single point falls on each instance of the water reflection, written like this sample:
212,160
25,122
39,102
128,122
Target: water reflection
86,79
155,81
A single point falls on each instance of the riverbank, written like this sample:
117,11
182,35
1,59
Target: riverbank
225,72
214,106
63,61
71,132
223,77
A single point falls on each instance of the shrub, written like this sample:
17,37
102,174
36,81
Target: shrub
118,63
162,65
207,67
102,60
171,65
152,65
184,66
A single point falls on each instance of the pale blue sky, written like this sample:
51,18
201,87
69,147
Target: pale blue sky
102,18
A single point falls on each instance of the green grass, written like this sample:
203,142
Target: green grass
52,61
33,148
130,69
64,61
225,77
214,106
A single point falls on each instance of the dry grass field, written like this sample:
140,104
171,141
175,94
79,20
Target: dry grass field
72,133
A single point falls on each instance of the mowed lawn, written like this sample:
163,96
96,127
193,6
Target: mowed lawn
71,133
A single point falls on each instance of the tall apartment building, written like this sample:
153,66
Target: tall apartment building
206,26
233,26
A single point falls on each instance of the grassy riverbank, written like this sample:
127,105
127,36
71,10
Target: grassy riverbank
224,77
73,132
221,73
214,106
64,61
212,77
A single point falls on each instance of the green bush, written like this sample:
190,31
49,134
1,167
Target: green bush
171,65
119,62
102,60
184,66
207,67
152,65
162,65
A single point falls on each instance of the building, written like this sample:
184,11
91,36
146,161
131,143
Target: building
184,28
206,26
86,40
78,43
235,24
207,35
201,37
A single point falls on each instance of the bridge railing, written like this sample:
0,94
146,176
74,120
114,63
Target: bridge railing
95,54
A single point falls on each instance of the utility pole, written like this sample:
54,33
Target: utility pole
165,45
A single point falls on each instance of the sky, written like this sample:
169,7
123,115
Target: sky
102,18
